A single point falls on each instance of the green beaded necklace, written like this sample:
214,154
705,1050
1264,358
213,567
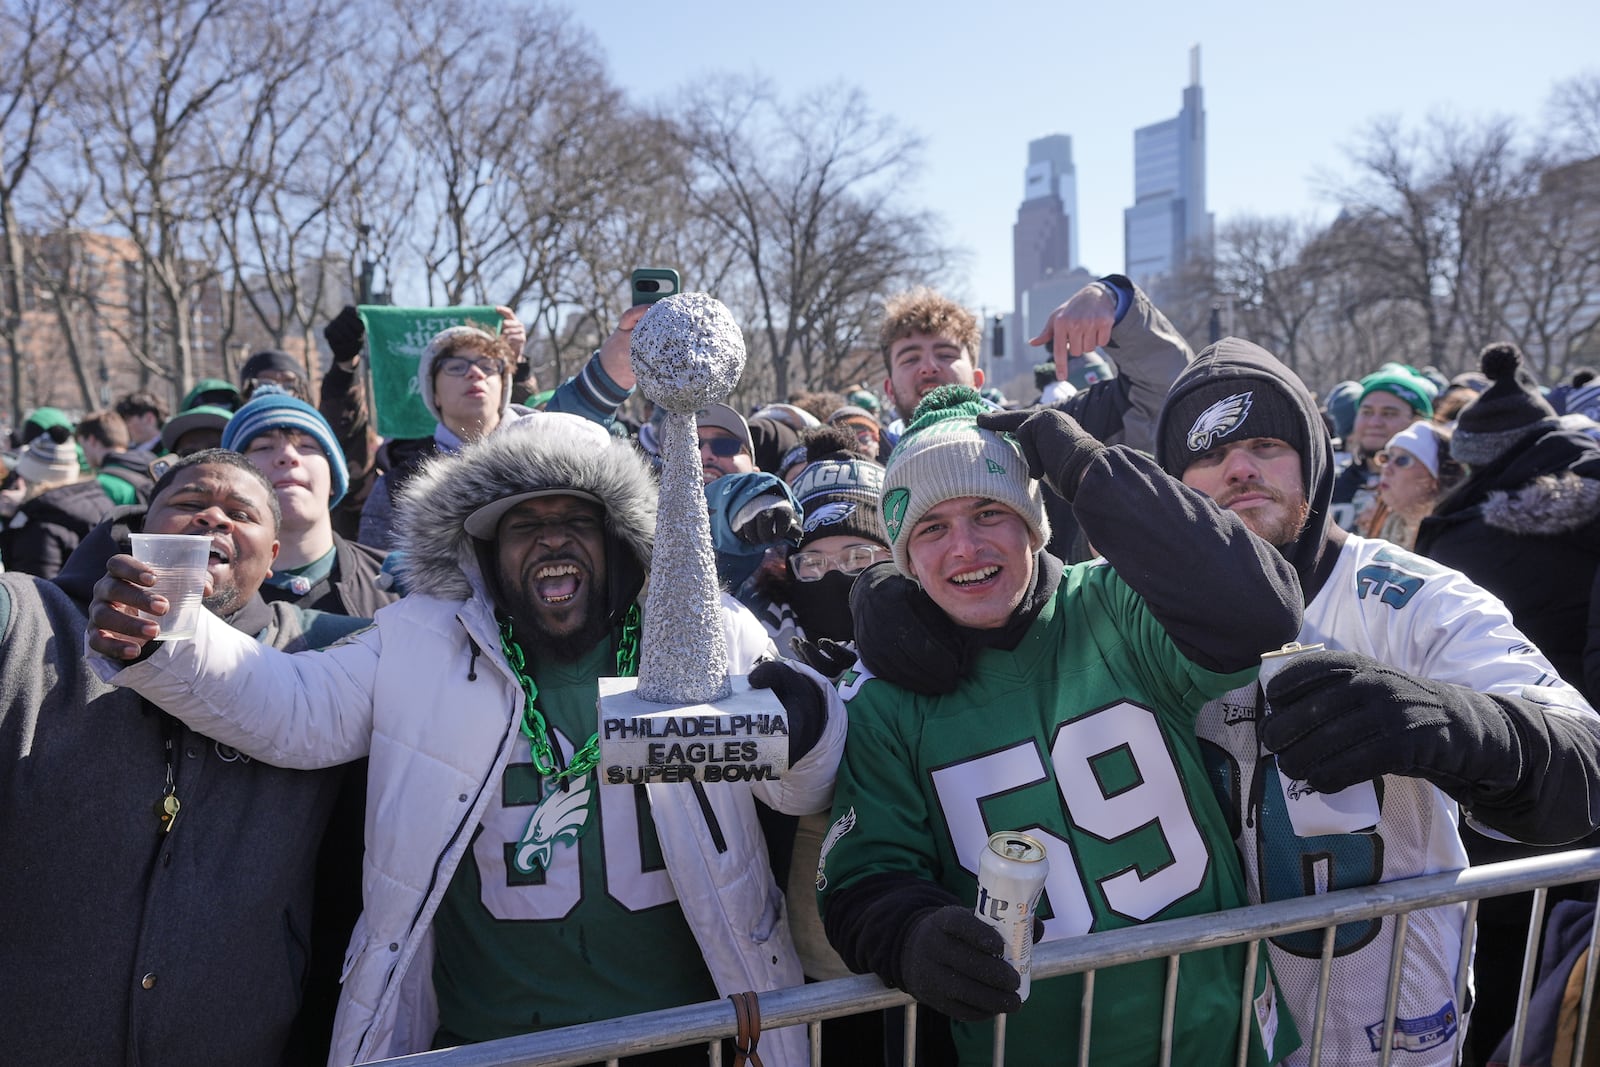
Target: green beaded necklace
533,724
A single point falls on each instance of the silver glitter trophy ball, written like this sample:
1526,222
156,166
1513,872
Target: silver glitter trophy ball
687,352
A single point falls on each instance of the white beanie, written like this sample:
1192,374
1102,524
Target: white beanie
1420,440
49,459
944,455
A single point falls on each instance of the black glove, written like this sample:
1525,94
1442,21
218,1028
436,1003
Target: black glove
1057,449
346,334
802,700
951,962
826,656
771,525
903,636
1338,718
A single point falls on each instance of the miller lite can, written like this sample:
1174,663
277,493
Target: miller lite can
1011,877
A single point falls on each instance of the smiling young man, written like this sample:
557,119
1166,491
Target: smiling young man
1391,399
1073,722
293,445
193,944
509,887
927,340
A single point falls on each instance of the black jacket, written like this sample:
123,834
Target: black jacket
350,589
1527,528
45,530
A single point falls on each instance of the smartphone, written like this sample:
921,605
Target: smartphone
652,283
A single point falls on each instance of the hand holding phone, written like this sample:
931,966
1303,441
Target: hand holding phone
652,283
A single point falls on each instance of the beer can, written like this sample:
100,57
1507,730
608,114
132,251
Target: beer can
1011,876
1352,810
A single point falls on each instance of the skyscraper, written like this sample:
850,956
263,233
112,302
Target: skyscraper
1168,220
1044,240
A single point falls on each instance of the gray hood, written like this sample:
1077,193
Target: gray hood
547,451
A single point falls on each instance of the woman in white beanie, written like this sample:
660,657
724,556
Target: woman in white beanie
1415,471
59,506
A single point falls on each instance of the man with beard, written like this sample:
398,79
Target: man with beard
1425,686
508,890
158,884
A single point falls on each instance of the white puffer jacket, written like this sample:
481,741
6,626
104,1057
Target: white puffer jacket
426,692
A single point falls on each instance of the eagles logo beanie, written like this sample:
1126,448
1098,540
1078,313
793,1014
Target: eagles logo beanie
840,497
1491,425
944,455
1222,411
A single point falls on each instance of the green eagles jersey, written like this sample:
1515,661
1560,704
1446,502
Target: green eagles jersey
593,930
1083,737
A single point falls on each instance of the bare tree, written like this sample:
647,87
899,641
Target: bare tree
1266,268
806,193
1574,116
41,43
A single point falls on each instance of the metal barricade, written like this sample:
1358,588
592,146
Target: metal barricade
808,1005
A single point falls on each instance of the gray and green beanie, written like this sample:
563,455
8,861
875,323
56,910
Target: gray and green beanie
943,455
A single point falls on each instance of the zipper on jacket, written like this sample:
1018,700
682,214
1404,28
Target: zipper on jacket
717,837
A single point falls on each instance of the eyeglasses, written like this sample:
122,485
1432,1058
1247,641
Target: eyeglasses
457,366
1398,460
812,566
722,446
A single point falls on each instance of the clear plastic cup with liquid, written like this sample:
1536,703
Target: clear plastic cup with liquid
179,564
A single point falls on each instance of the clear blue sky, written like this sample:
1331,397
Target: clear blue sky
1287,87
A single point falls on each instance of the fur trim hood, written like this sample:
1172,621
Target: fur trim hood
547,451
1550,504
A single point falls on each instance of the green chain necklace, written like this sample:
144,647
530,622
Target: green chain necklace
533,724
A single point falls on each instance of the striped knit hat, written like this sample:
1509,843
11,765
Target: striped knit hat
271,409
944,455
49,459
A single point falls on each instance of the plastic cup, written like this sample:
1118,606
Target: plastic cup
179,562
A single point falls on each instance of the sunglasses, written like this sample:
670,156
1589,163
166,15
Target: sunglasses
722,446
812,566
1398,460
457,366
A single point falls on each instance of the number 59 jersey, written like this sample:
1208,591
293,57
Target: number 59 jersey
1083,737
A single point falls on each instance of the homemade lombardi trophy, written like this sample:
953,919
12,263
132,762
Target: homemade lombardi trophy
684,718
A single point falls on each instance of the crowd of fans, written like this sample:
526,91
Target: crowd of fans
1041,616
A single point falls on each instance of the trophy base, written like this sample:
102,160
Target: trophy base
744,737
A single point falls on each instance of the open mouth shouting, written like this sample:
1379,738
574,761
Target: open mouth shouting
557,582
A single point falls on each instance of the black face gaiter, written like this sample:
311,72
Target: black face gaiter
823,606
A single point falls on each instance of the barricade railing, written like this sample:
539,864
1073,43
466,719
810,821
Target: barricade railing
709,1023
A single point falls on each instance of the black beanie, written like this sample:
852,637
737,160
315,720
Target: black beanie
270,359
1505,413
1221,412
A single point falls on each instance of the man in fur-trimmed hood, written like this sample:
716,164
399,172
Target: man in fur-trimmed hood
509,885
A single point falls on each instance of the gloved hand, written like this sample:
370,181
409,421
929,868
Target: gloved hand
346,334
903,636
767,520
803,701
1338,718
951,962
1056,448
826,656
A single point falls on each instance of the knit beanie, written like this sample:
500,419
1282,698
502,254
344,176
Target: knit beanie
944,455
1341,402
442,343
1226,410
1504,413
49,459
272,409
272,359
839,496
1421,441
1401,382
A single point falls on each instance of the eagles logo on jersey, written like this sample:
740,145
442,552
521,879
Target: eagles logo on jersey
1218,420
